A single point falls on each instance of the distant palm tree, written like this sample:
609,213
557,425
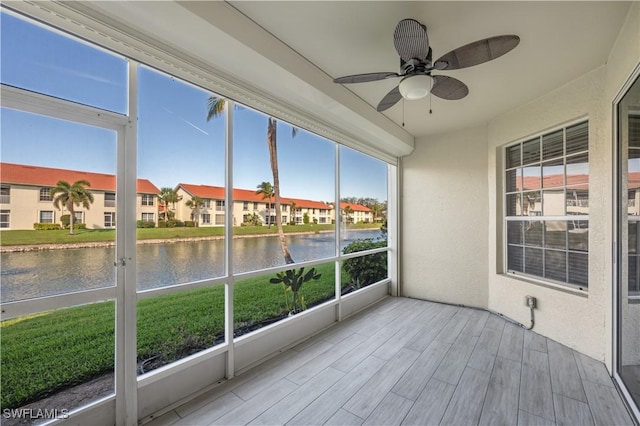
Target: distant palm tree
348,211
266,189
167,195
76,194
293,212
377,209
216,107
195,204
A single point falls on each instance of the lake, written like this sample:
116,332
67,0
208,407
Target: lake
27,275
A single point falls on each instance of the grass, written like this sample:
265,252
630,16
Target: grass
50,351
32,237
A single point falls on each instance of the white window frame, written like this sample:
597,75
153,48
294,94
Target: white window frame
45,194
147,200
543,218
150,217
5,224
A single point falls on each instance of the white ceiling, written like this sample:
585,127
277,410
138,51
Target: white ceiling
559,42
291,50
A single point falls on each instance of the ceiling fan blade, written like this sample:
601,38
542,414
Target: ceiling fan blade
410,40
449,88
363,78
390,99
477,52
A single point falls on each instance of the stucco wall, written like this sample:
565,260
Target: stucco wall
452,204
444,221
581,321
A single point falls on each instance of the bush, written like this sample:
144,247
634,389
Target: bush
46,226
145,224
189,223
365,270
162,224
179,224
65,219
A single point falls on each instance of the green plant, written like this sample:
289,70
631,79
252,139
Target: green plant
189,223
292,280
46,226
368,269
65,219
305,218
145,224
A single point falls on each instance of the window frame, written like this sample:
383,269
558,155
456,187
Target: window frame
45,194
575,220
147,200
5,219
40,217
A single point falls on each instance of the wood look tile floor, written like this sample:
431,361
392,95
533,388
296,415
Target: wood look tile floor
411,362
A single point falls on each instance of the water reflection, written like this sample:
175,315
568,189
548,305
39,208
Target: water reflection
50,272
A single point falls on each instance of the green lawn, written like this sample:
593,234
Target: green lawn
50,351
24,237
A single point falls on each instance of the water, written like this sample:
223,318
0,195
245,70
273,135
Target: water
49,272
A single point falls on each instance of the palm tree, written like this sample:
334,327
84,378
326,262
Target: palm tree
167,195
293,212
195,203
70,195
266,189
347,212
216,107
377,209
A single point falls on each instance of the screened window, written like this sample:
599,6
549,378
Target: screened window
245,206
220,205
5,194
147,217
78,217
147,199
109,199
206,218
547,206
4,218
45,194
46,216
110,220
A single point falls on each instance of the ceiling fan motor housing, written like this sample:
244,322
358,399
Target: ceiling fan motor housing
415,86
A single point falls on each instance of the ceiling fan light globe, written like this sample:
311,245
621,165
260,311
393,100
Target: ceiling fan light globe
415,86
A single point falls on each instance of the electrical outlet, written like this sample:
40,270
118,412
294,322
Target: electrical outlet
530,301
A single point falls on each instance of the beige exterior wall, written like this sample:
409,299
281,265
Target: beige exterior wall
448,171
445,216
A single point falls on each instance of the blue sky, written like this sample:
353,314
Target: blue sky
175,142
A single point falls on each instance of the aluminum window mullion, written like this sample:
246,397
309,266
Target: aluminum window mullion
228,243
338,232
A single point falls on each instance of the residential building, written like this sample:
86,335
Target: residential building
26,199
356,213
246,203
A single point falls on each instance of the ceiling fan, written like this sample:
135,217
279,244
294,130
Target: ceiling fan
412,44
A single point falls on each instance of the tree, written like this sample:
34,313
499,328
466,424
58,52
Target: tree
348,211
266,189
293,212
167,195
195,204
377,209
76,194
216,107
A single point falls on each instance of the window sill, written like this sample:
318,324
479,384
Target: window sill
532,280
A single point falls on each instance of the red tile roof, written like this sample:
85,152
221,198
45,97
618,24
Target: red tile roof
355,207
22,174
217,193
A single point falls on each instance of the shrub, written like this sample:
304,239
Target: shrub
65,219
189,223
369,269
145,224
46,226
179,224
162,224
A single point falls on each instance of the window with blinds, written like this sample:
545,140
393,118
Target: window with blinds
547,206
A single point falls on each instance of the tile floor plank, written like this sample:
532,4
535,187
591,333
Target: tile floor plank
592,370
416,377
390,412
570,412
344,418
528,419
255,406
534,341
373,392
466,404
431,404
536,396
352,358
484,353
512,342
210,411
501,401
565,379
284,410
429,332
454,363
454,326
325,406
606,406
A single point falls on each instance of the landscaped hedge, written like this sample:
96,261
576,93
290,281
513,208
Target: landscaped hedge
365,270
145,224
46,226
